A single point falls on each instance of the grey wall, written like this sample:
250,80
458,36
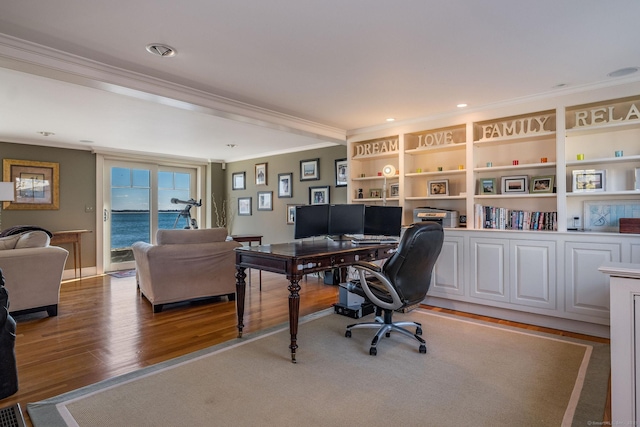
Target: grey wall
272,225
77,192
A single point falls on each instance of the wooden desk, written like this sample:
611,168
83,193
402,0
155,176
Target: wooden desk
74,237
249,238
295,260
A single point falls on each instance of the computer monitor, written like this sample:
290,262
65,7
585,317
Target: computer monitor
382,220
345,219
311,221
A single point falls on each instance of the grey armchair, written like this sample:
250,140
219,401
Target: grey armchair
400,284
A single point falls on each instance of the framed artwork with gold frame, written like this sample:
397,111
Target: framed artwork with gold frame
37,184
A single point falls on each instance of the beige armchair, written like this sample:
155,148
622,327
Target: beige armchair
186,265
33,271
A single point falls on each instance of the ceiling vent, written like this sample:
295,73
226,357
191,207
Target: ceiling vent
161,50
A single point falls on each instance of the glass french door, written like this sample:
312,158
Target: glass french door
140,198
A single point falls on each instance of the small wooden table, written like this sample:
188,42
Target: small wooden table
248,238
75,237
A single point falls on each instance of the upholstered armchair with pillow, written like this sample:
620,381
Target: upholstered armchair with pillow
186,265
32,271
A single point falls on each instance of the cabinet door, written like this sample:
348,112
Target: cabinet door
532,265
447,277
489,269
635,253
586,288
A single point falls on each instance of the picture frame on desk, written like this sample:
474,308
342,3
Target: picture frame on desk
516,184
37,184
438,187
542,184
589,180
487,186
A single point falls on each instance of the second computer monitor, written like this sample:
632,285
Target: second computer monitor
382,220
346,220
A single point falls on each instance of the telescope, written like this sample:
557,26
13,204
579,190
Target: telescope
191,202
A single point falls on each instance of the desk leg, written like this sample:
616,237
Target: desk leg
294,313
240,289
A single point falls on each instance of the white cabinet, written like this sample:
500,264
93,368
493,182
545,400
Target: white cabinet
489,269
533,273
448,272
625,342
587,289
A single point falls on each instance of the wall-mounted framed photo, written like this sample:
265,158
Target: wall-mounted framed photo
341,173
239,181
309,170
244,206
319,195
285,185
291,214
37,184
261,173
265,200
516,184
542,184
487,186
375,193
438,187
394,190
588,180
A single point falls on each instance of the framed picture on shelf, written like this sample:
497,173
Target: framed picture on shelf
244,206
285,185
291,214
319,195
394,190
265,200
487,186
238,181
438,187
542,184
515,184
604,215
341,173
588,180
309,170
261,174
375,193
637,179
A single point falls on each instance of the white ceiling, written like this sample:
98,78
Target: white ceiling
281,75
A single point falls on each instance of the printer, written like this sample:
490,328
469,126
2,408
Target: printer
446,218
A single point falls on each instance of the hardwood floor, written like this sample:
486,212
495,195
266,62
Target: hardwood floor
105,328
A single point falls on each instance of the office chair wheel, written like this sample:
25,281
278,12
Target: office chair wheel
418,330
347,334
373,351
388,334
423,349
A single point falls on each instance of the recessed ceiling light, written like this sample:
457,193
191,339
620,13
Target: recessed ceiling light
161,50
623,72
86,141
391,119
559,85
44,133
461,105
231,145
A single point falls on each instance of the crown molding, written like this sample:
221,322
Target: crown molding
32,58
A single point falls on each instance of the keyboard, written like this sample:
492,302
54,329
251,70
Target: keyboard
373,241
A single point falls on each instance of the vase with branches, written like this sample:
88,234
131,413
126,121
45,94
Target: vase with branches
225,213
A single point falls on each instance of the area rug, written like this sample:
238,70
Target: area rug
121,274
474,374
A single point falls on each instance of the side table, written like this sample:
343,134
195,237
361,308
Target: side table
74,237
248,238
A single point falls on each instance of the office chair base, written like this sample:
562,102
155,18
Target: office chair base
385,329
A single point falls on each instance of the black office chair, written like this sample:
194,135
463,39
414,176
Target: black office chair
401,283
